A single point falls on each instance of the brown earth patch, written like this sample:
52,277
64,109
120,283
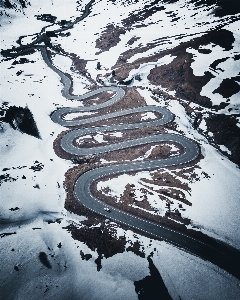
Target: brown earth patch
72,205
161,150
177,75
127,119
133,40
133,153
131,99
141,15
78,63
97,99
168,192
101,239
109,138
109,38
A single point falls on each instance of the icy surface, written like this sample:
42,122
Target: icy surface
32,199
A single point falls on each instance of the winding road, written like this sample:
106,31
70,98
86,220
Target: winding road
214,251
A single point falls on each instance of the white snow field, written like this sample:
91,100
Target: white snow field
32,213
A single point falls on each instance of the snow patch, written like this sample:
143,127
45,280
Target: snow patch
148,116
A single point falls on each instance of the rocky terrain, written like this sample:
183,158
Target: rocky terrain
180,54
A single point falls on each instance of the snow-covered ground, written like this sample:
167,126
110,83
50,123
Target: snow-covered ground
32,213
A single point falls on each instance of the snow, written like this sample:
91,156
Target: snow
225,149
173,147
129,266
230,69
147,97
197,65
65,278
216,200
183,120
115,188
36,93
210,133
116,134
174,267
71,116
238,122
226,69
64,63
99,138
18,150
40,197
144,70
29,23
148,116
186,276
203,125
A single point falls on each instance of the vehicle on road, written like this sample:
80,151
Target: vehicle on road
107,209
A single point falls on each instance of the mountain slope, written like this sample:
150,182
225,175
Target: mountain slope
179,54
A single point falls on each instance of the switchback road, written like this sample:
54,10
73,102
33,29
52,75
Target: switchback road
214,251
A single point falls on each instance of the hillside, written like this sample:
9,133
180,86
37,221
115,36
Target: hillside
155,140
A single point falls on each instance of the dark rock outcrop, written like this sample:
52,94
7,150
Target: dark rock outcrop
226,132
152,286
14,4
22,119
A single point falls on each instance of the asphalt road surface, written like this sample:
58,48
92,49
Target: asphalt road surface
214,251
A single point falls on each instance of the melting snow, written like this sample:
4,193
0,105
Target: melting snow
215,200
225,149
148,116
71,116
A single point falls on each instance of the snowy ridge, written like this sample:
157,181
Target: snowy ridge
183,55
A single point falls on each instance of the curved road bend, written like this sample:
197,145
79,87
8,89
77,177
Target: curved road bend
214,251
219,253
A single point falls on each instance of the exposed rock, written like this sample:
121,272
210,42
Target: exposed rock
223,7
46,18
44,260
10,4
138,16
98,238
227,88
178,75
22,119
227,133
135,248
152,286
109,38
